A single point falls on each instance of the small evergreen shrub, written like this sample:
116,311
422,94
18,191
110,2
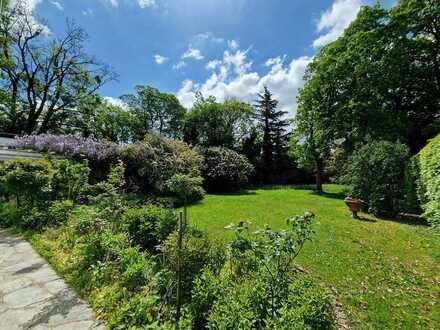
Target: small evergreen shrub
429,160
85,220
148,226
376,173
225,170
40,186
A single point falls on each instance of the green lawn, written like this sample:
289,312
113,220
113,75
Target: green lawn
386,273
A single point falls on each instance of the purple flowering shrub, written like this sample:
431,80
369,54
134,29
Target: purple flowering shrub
70,146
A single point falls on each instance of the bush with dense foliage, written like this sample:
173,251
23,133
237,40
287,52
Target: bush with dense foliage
376,172
155,160
429,162
27,180
198,252
149,226
43,189
185,188
224,169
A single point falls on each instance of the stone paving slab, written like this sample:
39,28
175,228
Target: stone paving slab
33,296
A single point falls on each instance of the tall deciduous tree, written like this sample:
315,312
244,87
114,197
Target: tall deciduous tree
384,73
211,123
314,129
155,111
43,77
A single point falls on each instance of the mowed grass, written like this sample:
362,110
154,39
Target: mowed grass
386,273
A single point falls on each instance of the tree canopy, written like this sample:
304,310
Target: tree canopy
42,77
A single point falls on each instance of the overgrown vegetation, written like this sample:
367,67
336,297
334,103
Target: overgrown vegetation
132,264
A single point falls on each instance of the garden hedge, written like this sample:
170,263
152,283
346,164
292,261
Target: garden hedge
429,192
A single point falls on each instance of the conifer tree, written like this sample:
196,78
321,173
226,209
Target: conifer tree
274,128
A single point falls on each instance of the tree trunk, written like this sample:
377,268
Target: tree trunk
319,172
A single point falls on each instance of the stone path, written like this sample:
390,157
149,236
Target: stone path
33,296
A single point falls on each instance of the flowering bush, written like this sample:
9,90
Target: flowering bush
69,145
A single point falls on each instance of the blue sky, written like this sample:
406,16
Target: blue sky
227,48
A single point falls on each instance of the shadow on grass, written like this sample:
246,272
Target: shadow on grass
404,221
361,218
407,221
335,195
244,192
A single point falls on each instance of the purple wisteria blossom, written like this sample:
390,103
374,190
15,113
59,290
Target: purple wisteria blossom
70,146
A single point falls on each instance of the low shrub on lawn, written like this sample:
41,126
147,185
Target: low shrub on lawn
376,173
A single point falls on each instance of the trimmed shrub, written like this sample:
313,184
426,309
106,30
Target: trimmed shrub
429,160
376,173
224,169
148,226
155,160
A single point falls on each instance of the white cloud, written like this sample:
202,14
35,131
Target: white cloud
113,3
159,59
146,3
233,44
202,38
115,101
58,5
193,53
28,6
179,65
233,78
87,12
212,65
335,20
